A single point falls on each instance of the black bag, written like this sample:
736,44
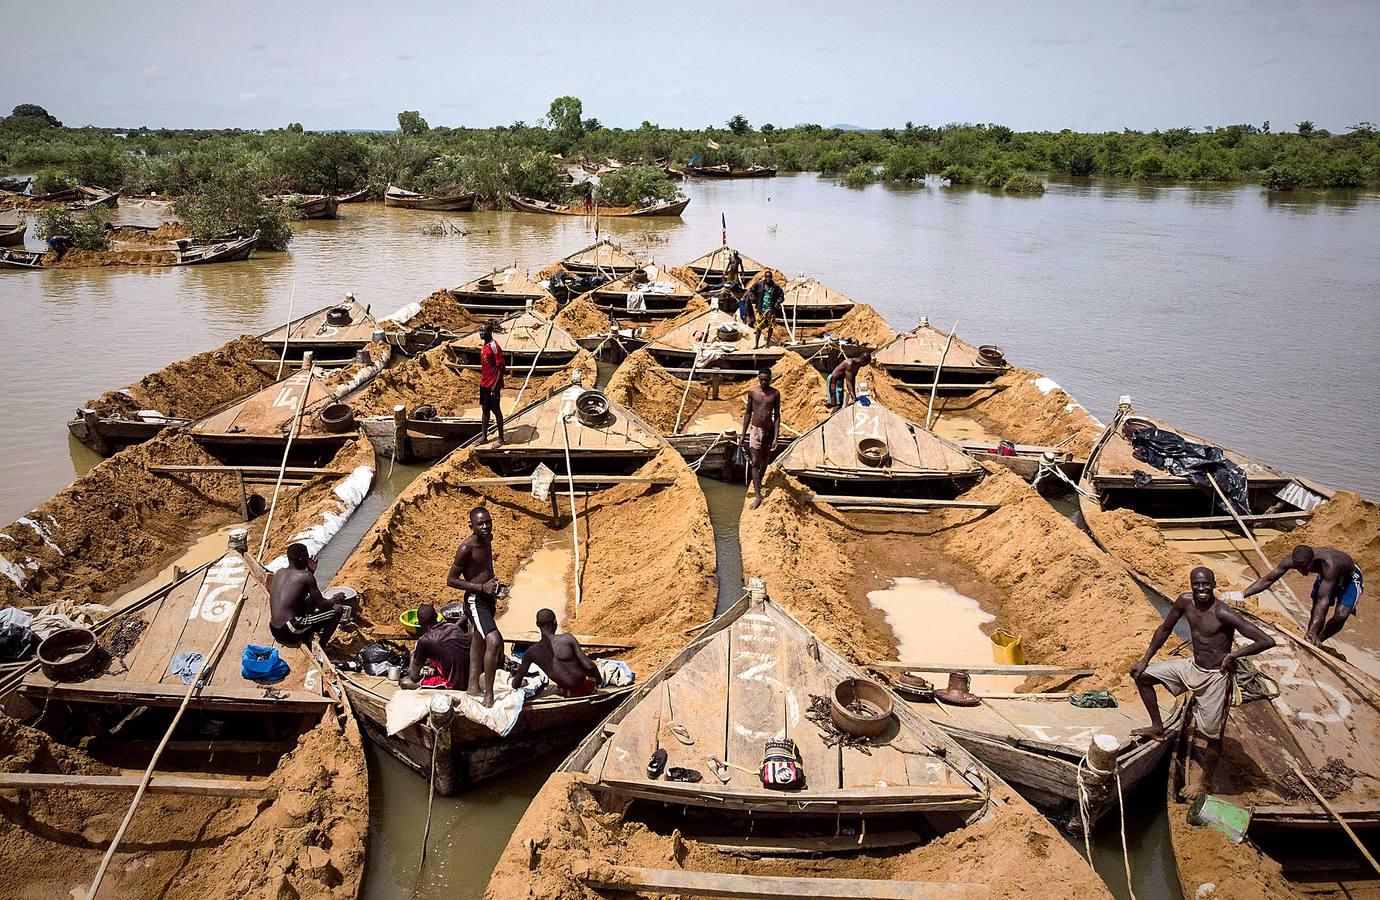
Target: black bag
376,658
16,643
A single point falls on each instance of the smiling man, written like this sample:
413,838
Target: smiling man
1212,626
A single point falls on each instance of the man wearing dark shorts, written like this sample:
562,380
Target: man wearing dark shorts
297,609
445,646
472,571
491,370
1338,587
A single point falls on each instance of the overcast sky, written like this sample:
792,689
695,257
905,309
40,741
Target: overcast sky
1032,65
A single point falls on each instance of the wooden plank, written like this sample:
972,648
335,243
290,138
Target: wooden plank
765,845
959,797
719,884
104,690
1227,520
1031,671
756,688
160,784
898,502
514,480
805,676
251,471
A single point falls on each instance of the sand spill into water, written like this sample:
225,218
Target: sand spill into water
934,623
540,583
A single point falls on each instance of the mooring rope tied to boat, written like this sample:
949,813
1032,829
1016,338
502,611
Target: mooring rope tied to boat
1083,803
685,394
217,651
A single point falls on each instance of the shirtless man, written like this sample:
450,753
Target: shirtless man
845,377
1339,586
1212,625
445,646
761,425
472,571
297,608
561,658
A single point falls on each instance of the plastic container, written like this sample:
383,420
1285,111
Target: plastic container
1217,813
408,618
1007,648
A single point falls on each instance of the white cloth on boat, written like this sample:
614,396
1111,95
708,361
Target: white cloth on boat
13,615
614,673
636,301
660,287
408,707
47,624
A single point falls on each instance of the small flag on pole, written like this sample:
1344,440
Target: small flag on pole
724,221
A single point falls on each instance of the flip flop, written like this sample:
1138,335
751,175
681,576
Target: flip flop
682,734
676,773
656,763
719,768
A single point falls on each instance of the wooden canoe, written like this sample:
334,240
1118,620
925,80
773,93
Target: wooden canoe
311,206
603,257
718,341
724,171
503,290
914,356
402,199
530,341
661,294
808,304
89,198
21,259
13,235
1327,709
546,207
331,343
234,749
358,196
711,269
230,250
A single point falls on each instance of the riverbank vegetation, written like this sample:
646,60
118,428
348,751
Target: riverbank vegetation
518,158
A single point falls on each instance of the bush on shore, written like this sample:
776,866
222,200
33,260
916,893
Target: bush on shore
635,186
232,202
87,229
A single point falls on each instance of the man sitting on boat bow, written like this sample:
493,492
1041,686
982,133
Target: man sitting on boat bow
1339,586
445,646
562,658
1212,627
298,609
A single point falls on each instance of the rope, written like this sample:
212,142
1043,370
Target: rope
1049,468
211,661
287,331
695,466
1083,802
550,324
685,394
430,796
1125,850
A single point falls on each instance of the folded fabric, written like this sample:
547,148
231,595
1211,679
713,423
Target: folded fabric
409,707
263,664
614,673
13,615
187,666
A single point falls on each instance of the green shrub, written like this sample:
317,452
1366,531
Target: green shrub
48,181
634,186
906,163
1024,183
1284,176
232,201
538,175
958,175
836,162
86,229
861,176
998,173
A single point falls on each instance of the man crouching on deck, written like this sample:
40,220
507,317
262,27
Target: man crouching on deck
561,658
297,609
1212,625
472,571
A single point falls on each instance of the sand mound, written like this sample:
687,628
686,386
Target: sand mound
582,319
693,307
1030,409
310,842
569,833
647,552
1138,542
87,259
120,521
192,387
1347,521
645,387
433,378
441,310
1211,867
165,233
1033,569
863,325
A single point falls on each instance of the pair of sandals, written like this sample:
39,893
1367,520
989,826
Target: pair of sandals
657,764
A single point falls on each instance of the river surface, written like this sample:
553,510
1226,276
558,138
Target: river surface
1246,317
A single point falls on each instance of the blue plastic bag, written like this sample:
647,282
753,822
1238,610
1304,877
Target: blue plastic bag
262,664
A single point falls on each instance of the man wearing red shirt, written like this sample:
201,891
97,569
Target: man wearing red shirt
491,367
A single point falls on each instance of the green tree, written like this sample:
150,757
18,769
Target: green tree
86,229
906,163
1306,128
31,115
634,186
411,122
232,200
739,124
49,181
565,117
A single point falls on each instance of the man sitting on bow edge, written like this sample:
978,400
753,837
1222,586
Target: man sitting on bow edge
561,658
1212,626
445,646
297,608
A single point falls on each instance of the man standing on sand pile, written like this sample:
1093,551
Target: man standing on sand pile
845,377
761,425
472,571
1339,584
562,658
1212,625
762,303
491,371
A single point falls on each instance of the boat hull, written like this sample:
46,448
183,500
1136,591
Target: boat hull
523,204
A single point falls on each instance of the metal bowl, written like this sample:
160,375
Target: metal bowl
991,355
592,407
338,315
873,452
337,418
69,655
872,698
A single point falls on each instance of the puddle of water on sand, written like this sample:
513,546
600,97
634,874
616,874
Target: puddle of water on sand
715,423
541,583
207,548
955,427
934,623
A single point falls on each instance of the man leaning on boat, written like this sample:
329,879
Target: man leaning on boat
1338,587
1212,627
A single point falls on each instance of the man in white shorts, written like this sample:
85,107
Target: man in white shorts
1213,626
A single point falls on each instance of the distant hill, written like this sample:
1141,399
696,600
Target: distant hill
851,128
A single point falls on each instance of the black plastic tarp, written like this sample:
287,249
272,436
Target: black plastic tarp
1170,452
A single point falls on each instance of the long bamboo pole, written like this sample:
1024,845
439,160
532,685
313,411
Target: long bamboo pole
213,659
1332,811
287,331
574,514
934,388
685,394
550,324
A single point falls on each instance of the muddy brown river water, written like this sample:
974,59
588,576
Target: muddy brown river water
1246,317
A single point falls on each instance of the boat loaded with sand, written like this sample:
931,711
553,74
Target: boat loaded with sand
403,199
711,271
334,335
647,292
502,291
713,345
603,257
546,207
606,550
1319,727
878,532
702,416
184,253
867,798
